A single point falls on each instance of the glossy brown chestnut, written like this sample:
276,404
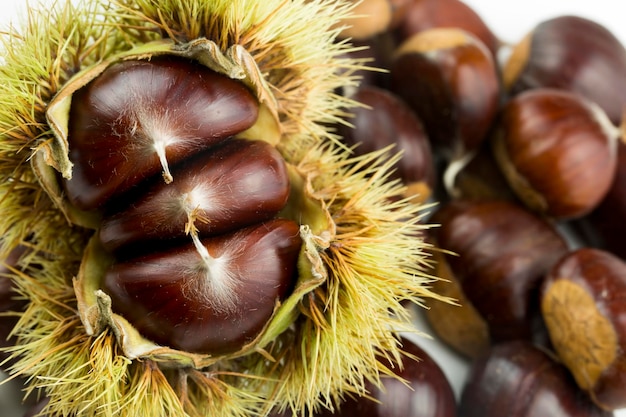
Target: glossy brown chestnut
517,379
386,121
502,252
139,117
449,78
235,184
183,300
557,150
583,306
575,54
422,15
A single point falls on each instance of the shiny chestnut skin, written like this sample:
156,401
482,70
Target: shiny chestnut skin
421,15
517,379
572,53
557,151
174,298
232,185
386,121
133,109
449,78
583,305
502,252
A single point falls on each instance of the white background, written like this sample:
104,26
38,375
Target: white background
510,20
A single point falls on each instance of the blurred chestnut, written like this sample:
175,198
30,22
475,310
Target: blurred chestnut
500,254
387,120
575,54
425,391
138,118
449,78
557,151
214,301
517,379
583,303
605,227
421,15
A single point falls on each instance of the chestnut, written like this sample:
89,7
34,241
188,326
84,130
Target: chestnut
518,379
557,151
235,184
604,227
583,306
449,78
213,301
140,117
500,253
424,390
386,120
422,15
572,53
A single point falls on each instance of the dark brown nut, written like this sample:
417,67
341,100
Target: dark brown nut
575,54
10,300
449,78
583,306
425,391
501,254
139,117
557,151
212,301
604,227
388,121
427,14
517,379
235,184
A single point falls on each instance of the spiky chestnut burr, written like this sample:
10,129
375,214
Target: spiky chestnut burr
361,254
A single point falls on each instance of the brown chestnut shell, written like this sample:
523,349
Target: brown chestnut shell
571,53
175,299
500,254
557,150
137,112
517,379
583,306
235,184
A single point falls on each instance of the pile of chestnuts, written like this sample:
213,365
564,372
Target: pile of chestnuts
523,153
521,147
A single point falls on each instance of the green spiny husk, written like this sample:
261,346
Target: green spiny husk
374,256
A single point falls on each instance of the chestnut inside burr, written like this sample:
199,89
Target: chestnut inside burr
190,212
